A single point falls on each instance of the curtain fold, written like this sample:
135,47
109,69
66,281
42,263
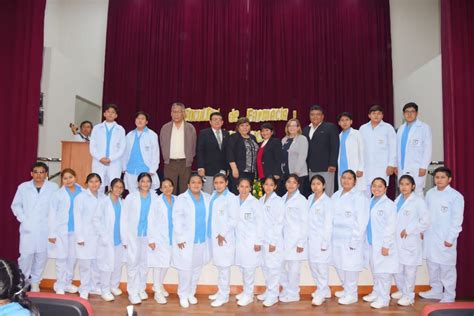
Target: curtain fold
457,49
21,29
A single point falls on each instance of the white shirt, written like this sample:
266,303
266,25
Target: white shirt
177,142
312,129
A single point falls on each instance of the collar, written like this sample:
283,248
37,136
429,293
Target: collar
315,127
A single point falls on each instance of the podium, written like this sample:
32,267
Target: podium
76,155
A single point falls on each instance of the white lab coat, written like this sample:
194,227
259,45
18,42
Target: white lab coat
295,226
249,232
58,219
380,150
414,217
184,228
104,223
129,226
320,217
31,210
355,156
85,206
225,212
273,217
418,151
150,152
384,223
351,215
158,227
98,144
446,210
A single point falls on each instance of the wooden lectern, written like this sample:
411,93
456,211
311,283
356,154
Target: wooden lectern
76,155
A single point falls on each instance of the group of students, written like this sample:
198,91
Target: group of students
145,230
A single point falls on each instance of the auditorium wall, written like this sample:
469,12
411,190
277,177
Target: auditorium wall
74,61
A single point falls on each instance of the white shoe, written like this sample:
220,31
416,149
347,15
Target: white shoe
219,303
108,297
313,295
165,293
143,295
35,287
269,302
347,300
60,292
289,299
71,288
183,302
318,300
245,300
213,297
339,294
95,292
444,300
378,304
116,291
396,295
160,298
84,296
431,295
370,298
192,300
134,299
239,296
262,297
405,301
328,294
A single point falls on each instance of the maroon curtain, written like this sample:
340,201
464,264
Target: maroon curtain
239,53
457,34
21,29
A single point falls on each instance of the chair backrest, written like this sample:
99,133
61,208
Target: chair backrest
50,304
452,309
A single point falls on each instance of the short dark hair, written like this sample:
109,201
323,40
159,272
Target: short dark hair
219,175
166,179
316,108
145,114
240,121
384,182
216,114
267,125
293,176
352,173
110,106
193,175
412,105
244,179
40,164
84,123
409,178
90,176
271,178
114,182
376,108
445,170
318,177
144,175
344,114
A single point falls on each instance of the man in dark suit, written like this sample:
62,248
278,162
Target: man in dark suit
323,150
211,152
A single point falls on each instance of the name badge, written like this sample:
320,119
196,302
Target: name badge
416,142
147,148
380,212
348,213
248,216
380,141
407,212
221,212
444,209
267,208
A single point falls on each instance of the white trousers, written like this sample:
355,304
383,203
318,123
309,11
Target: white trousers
32,265
188,279
138,270
320,272
290,277
382,285
223,283
248,276
65,267
111,280
405,280
108,173
90,275
349,281
158,278
272,282
443,276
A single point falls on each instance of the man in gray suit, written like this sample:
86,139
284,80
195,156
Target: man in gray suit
178,146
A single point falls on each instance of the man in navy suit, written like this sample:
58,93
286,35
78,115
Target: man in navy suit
211,151
323,149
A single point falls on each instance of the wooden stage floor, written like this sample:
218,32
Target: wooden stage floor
304,307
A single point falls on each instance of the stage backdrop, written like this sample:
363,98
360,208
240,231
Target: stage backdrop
21,31
248,53
457,32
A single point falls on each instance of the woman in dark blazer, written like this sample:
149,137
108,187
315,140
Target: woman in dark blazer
241,152
269,154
